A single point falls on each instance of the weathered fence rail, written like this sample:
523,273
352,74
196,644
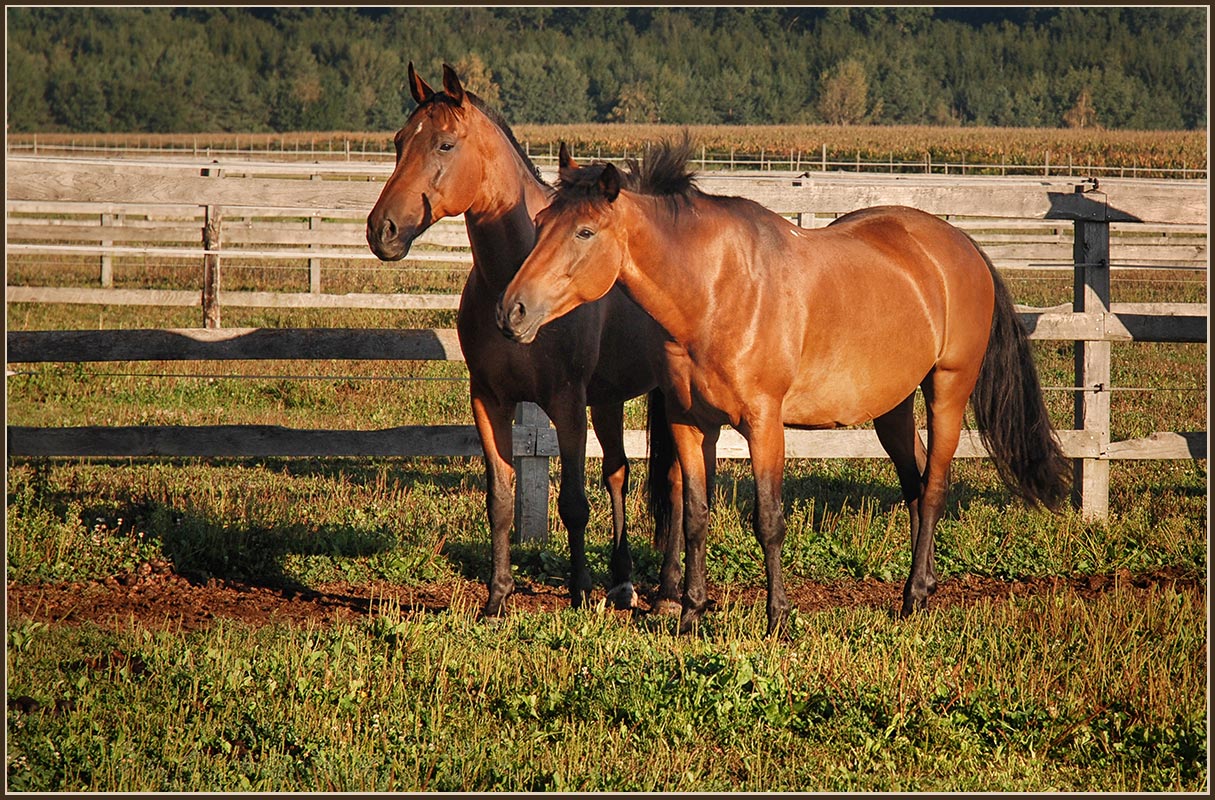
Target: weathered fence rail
133,206
310,215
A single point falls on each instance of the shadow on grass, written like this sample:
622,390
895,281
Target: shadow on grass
835,493
440,471
203,547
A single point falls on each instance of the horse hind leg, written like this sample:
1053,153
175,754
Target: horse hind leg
664,485
608,421
946,393
671,573
897,433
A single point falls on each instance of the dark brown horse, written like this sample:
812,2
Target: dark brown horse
779,326
455,156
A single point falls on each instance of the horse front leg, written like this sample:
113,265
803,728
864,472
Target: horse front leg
608,421
766,438
493,421
569,418
694,447
671,574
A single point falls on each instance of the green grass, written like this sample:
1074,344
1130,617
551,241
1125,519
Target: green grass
1044,693
299,522
1048,692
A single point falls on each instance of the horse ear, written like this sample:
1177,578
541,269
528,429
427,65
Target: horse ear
420,90
564,159
609,183
451,85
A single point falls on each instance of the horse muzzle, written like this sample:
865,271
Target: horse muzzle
516,322
387,241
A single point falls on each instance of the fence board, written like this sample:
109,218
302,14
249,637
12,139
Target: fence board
227,344
41,238
253,441
1118,201
181,297
188,344
93,183
86,180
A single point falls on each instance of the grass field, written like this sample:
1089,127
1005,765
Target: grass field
1053,690
1048,693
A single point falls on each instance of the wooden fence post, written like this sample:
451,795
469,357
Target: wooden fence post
531,477
1091,476
314,264
210,288
107,261
212,224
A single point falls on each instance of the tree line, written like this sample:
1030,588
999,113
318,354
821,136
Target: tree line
200,69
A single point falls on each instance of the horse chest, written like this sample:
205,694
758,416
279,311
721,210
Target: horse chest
557,360
698,390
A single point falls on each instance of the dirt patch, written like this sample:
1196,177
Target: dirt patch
158,598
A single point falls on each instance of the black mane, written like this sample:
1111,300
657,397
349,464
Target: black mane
665,170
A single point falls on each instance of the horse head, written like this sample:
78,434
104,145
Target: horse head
438,169
578,255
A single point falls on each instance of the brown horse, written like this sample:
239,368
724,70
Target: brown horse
775,326
455,156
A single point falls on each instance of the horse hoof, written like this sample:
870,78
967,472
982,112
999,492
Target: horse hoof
912,606
667,608
779,628
689,621
622,597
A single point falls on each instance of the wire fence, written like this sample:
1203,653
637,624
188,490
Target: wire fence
793,160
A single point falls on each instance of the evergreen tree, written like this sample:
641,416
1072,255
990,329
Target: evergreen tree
294,68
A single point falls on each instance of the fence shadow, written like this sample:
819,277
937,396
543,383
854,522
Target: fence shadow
204,547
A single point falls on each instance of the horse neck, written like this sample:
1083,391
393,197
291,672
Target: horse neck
666,270
499,221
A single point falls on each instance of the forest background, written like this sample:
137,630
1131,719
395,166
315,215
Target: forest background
167,70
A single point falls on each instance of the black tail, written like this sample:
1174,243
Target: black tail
1009,411
662,458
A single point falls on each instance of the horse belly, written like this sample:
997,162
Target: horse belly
856,390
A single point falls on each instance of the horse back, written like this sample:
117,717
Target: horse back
892,293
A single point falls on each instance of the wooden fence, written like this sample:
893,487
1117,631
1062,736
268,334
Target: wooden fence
114,209
215,212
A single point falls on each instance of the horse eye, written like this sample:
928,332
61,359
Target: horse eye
585,233
446,147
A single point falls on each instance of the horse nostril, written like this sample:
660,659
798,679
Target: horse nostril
510,318
517,313
388,230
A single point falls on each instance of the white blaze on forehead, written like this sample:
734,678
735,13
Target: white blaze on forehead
419,130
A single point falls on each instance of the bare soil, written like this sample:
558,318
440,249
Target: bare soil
156,597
